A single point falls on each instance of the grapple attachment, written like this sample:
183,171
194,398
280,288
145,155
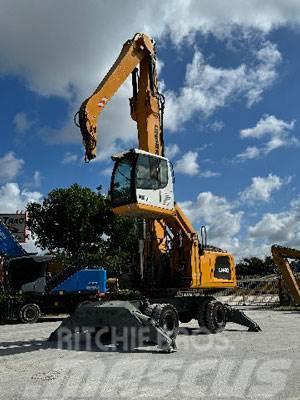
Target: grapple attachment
120,323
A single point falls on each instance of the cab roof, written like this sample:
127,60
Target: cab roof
123,154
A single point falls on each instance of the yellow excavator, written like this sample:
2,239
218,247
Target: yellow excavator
178,271
142,179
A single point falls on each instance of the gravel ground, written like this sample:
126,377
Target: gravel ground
235,364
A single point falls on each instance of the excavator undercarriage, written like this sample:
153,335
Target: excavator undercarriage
129,325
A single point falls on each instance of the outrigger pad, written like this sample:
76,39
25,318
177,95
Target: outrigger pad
117,322
239,317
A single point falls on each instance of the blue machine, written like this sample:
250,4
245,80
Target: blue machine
85,280
9,245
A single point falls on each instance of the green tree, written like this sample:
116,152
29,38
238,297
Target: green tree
256,266
79,225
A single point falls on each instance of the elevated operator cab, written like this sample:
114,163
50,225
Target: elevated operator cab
142,185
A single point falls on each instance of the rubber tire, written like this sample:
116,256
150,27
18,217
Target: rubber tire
167,318
29,313
215,316
201,314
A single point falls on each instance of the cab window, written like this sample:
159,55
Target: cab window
151,172
122,188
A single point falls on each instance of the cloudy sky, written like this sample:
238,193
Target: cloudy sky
230,74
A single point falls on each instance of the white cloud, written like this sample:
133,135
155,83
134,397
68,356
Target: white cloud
107,172
211,16
40,47
222,220
70,158
22,122
116,130
250,153
171,151
248,247
217,126
276,132
188,164
70,34
225,229
37,179
261,188
268,125
12,198
208,88
209,174
10,166
282,228
30,247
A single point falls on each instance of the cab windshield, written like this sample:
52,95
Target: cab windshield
133,172
122,188
151,172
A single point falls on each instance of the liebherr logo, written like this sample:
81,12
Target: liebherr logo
224,269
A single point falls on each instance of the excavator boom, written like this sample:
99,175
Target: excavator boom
280,256
146,101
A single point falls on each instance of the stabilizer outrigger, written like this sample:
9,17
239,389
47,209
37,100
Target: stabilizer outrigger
239,317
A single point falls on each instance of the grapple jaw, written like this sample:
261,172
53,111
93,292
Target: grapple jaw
117,322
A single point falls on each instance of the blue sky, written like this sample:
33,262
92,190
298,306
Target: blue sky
231,81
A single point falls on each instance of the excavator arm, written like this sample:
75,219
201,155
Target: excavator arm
280,256
145,104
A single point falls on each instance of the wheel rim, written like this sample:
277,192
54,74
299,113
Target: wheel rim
29,314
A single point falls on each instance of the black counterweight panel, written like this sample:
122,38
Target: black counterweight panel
222,268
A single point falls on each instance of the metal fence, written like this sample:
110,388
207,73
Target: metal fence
253,290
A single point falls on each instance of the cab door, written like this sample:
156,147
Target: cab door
154,182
